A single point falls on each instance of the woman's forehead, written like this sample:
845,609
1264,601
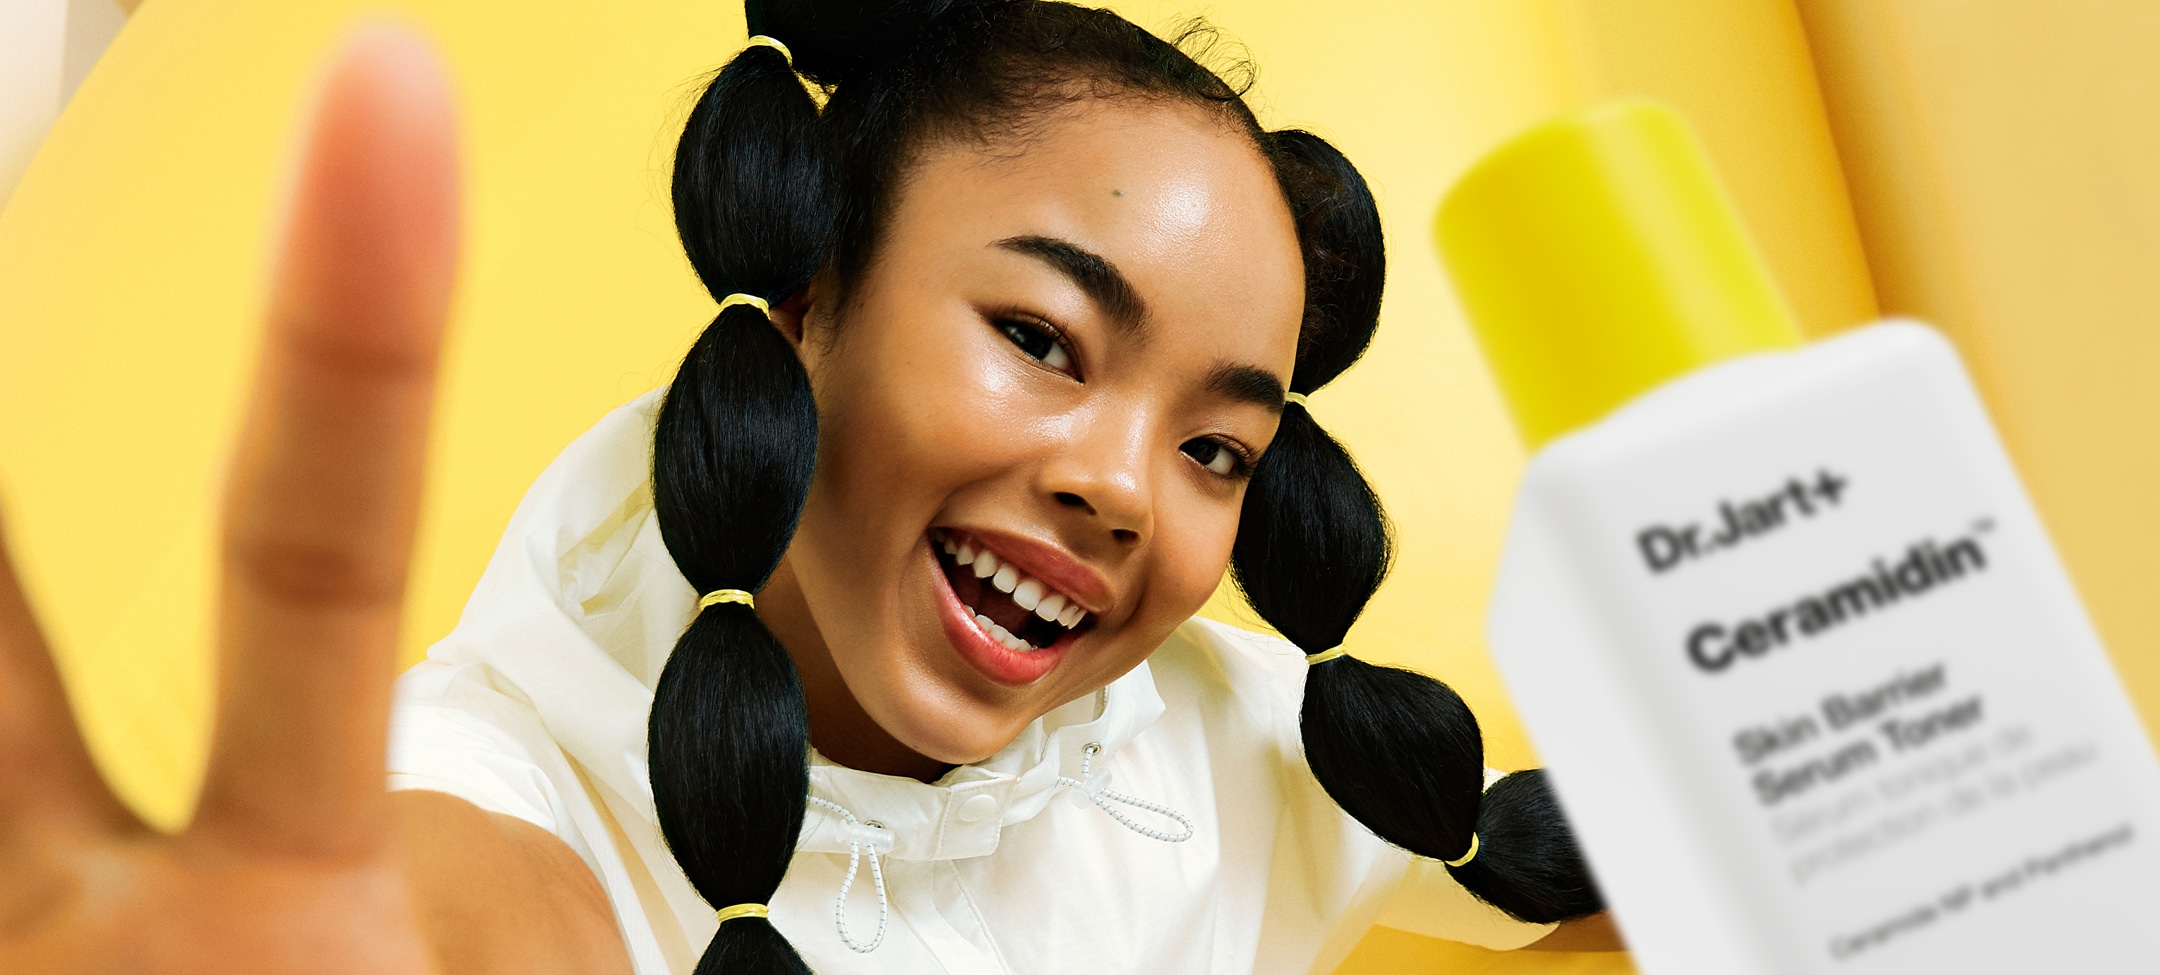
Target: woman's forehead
1174,196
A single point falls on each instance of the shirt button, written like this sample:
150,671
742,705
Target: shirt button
977,808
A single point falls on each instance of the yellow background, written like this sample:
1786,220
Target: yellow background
1987,167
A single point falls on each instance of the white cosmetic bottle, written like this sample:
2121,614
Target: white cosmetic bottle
1811,682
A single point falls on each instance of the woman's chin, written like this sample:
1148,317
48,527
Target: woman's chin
938,733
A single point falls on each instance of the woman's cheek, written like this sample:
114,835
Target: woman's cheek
1191,556
888,442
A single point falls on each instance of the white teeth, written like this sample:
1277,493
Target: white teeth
1007,639
1027,592
1003,636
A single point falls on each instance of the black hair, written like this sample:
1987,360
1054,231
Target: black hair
770,188
1397,750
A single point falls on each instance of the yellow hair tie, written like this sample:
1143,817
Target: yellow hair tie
1326,655
719,596
738,298
761,40
1298,398
1465,858
727,914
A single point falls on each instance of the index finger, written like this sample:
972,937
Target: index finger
326,481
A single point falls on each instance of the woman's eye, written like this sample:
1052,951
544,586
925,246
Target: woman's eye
1214,457
1039,342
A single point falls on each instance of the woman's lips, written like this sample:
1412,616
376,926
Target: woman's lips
1012,668
1079,584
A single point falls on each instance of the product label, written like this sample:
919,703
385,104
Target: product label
1926,564
1666,546
1842,627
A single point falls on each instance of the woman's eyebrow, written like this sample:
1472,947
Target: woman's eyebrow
1096,276
1248,384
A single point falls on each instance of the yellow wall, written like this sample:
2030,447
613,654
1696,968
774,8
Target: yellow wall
2005,164
130,272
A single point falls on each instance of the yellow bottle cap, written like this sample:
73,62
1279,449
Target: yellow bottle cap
1596,257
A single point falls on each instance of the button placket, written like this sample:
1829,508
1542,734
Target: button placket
971,819
976,808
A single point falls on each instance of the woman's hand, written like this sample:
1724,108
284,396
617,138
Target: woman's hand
293,861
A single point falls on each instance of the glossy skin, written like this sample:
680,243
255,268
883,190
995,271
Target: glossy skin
1093,444
936,415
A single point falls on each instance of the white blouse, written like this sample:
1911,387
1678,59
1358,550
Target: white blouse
1045,859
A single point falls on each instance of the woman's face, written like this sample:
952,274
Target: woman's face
1060,366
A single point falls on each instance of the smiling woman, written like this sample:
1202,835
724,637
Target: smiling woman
1000,385
1015,325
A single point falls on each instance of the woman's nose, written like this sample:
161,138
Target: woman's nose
1102,477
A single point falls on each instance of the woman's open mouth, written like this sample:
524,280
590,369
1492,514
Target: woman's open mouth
1008,624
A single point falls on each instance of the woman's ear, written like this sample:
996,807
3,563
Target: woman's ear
788,316
809,308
